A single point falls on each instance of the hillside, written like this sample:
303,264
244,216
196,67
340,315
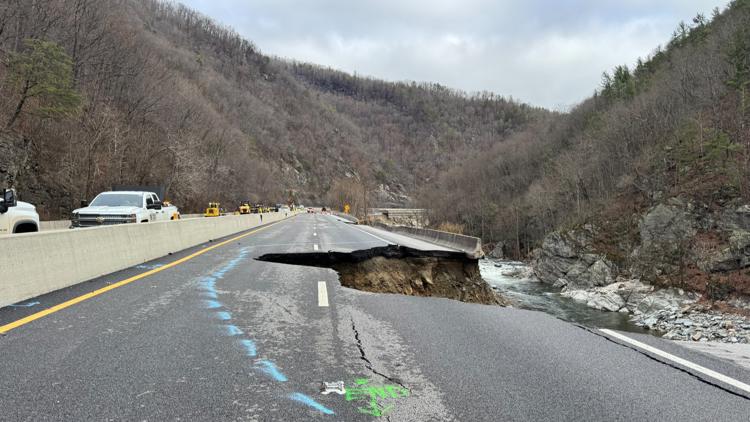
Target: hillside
649,178
147,92
651,174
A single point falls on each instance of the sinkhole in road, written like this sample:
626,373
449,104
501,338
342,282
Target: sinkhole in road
401,270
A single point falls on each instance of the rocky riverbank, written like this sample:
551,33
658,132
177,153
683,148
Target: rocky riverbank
678,314
682,268
697,323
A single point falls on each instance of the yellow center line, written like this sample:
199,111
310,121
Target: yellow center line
41,314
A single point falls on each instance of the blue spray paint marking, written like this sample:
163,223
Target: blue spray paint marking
304,399
232,330
208,284
212,304
25,305
249,346
270,369
211,295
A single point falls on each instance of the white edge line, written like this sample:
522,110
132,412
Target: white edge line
695,367
322,294
388,242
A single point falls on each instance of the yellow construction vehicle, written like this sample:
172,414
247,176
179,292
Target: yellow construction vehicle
175,215
244,208
212,210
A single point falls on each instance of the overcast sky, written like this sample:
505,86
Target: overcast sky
549,53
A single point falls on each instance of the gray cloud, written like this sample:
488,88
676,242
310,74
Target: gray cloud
549,53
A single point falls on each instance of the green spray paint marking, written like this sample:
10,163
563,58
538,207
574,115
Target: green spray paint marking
372,393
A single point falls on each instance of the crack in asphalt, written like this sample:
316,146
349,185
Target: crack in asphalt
671,365
368,364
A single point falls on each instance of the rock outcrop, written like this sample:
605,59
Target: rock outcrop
735,256
676,243
497,252
665,232
680,235
569,259
666,224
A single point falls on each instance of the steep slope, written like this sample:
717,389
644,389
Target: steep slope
649,178
160,94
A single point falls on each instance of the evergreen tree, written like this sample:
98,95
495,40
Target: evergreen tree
739,59
43,76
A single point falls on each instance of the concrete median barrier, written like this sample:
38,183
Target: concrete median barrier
54,225
347,217
472,246
37,263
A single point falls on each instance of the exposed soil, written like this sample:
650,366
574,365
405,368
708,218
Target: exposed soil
440,277
401,270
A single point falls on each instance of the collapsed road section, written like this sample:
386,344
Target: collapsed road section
402,270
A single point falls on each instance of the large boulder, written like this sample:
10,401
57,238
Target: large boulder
736,217
597,299
621,296
735,256
568,259
666,224
631,296
667,231
677,235
498,252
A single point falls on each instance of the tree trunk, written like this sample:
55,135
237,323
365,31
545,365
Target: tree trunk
19,107
518,238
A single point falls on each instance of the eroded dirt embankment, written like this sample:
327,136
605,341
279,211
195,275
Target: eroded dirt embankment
402,270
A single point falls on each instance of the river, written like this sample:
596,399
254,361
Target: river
529,293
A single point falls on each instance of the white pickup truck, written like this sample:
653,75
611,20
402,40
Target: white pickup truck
120,207
16,216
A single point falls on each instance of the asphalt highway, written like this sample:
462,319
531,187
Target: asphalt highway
223,336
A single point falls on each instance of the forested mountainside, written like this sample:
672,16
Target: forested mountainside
651,174
95,94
